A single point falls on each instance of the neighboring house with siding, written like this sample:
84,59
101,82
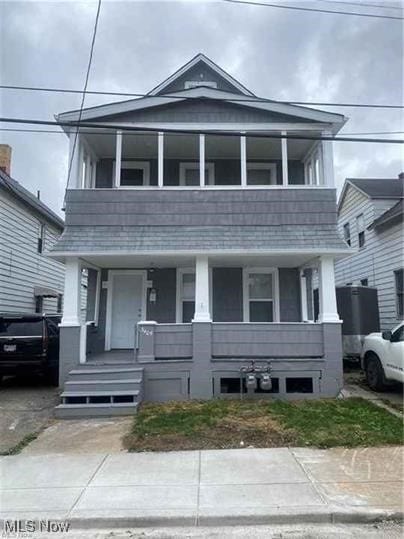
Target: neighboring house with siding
200,223
29,280
370,218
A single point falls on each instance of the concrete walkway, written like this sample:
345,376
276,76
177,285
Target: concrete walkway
228,487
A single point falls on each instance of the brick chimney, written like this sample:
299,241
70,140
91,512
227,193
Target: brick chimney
5,158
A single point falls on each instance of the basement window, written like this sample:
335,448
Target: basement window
299,385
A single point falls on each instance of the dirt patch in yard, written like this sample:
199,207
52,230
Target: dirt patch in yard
216,425
225,424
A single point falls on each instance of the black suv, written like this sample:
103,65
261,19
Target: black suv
29,343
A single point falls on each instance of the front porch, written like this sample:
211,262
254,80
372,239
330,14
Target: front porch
193,323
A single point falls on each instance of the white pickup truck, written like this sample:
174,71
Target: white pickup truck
382,357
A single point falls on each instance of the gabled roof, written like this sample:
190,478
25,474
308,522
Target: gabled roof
240,96
28,199
200,59
389,188
391,216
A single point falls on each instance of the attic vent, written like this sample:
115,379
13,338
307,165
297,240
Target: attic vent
196,83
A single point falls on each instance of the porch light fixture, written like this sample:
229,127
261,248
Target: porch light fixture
152,295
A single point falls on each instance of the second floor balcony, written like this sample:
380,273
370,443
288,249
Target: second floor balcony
139,160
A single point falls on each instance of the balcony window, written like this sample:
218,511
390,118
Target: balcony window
134,174
261,174
190,174
399,282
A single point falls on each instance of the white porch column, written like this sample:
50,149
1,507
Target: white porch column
202,309
243,160
87,179
118,158
303,296
328,160
327,295
73,180
160,166
72,293
202,178
93,172
285,174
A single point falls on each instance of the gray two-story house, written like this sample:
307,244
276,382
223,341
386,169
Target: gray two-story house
200,211
370,218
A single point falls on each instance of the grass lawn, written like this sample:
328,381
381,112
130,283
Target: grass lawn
220,424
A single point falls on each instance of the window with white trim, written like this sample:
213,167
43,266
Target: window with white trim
134,173
186,296
189,174
259,303
360,224
347,233
261,173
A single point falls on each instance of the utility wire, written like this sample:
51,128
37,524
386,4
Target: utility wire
193,98
264,4
99,132
90,59
127,128
361,4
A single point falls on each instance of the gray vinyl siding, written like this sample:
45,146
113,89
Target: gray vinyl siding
21,266
227,171
382,255
203,111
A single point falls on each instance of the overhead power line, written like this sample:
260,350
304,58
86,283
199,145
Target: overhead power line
362,4
318,10
90,59
100,132
123,128
193,98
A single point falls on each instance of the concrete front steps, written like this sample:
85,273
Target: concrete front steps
101,391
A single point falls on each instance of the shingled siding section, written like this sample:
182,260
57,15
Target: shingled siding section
133,220
210,207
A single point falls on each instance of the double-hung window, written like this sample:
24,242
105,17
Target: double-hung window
186,296
259,295
41,239
360,224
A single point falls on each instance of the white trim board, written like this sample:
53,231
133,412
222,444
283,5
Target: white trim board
110,292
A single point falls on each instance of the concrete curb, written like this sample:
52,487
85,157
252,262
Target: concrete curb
253,518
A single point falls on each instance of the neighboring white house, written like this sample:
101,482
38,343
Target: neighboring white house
370,218
29,280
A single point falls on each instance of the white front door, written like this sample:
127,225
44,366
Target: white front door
126,309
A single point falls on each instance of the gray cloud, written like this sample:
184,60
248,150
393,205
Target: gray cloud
278,54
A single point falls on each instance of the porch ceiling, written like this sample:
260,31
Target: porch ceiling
115,261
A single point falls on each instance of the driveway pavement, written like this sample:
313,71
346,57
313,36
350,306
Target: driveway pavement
227,487
26,406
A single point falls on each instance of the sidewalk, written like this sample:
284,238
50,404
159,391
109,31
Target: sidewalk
245,486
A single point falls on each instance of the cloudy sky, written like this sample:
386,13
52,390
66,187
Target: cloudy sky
276,53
